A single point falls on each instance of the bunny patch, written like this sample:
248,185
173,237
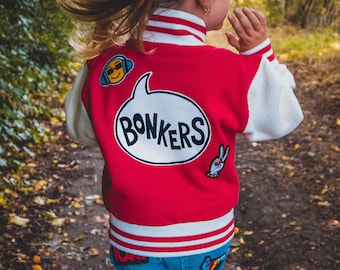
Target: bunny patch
218,163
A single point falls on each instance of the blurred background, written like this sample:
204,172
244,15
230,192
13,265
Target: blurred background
37,67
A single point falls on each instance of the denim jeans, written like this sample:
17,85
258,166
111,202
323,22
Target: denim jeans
213,260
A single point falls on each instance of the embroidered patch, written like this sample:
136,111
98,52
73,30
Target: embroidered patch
213,264
161,127
218,163
124,258
115,70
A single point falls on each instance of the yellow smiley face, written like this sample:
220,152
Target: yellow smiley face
115,71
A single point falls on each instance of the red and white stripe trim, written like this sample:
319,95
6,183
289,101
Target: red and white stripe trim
175,27
172,240
264,48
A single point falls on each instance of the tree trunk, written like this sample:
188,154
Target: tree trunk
305,11
329,11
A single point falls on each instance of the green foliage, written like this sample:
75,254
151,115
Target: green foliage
275,12
306,14
294,44
313,13
33,51
34,54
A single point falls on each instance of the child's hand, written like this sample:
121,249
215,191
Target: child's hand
250,27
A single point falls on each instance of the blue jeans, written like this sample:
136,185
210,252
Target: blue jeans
213,260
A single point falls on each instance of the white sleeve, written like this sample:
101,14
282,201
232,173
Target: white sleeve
274,110
78,122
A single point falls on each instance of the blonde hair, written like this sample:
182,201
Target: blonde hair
103,23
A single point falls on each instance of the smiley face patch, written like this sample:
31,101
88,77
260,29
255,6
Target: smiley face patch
115,70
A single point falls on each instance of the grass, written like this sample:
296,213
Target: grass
290,43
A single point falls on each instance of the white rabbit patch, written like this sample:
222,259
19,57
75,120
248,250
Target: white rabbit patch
218,163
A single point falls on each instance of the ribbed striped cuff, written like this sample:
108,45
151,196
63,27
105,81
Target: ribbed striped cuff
264,48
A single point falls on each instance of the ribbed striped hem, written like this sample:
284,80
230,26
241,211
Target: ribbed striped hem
172,240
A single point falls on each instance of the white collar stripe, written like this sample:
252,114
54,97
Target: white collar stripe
175,32
165,26
179,21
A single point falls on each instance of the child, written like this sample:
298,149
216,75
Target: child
164,108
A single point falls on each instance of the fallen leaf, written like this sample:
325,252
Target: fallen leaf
311,154
78,238
101,219
62,166
93,251
334,224
52,201
325,203
316,197
249,254
92,197
3,201
26,190
31,165
324,191
95,231
39,200
76,204
49,235
21,256
99,202
283,56
20,221
40,185
335,148
73,145
235,250
55,121
50,215
59,222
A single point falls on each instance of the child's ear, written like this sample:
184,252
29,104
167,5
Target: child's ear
205,3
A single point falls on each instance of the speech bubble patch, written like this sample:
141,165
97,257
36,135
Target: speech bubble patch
161,127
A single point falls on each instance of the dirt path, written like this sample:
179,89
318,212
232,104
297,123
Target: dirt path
288,216
90,225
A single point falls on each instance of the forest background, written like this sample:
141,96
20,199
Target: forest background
37,68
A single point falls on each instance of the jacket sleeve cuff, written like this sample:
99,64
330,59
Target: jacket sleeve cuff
78,123
264,49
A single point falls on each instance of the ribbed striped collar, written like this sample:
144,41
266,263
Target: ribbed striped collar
175,27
